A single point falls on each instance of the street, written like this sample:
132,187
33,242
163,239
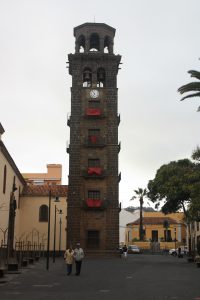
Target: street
139,277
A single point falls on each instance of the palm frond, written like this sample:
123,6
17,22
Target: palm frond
190,96
195,74
189,87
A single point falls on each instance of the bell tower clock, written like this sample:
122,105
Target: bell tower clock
93,188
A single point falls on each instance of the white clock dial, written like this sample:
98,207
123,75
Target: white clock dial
94,93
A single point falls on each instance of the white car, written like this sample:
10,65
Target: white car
133,249
184,251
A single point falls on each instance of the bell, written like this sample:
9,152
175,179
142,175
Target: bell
87,75
101,76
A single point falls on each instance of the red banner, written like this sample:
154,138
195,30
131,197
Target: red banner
94,202
93,112
93,138
94,170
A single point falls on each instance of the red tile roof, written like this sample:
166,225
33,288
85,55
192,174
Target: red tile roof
43,190
154,221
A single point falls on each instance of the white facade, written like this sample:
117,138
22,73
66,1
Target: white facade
124,218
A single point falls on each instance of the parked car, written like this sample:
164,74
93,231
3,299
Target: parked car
133,249
184,251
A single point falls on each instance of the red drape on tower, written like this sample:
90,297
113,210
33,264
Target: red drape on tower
94,170
94,202
93,112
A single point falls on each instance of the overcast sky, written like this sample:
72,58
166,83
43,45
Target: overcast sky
159,42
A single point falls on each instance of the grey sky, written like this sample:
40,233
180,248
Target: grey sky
159,42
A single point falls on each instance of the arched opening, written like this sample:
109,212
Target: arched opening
94,42
4,179
43,213
101,77
107,45
87,77
81,44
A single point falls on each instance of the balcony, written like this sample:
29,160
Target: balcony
94,204
118,119
68,120
93,113
67,147
119,147
119,177
94,172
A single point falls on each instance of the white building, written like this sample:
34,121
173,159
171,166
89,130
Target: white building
124,218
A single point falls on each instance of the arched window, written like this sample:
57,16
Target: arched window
101,77
4,179
81,44
108,45
43,213
87,77
94,42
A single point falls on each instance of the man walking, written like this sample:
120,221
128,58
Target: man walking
78,256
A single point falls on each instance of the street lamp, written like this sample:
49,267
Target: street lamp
54,241
175,238
49,219
60,223
11,224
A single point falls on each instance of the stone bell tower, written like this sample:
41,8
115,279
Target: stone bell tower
93,190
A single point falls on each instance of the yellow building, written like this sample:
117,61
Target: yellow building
155,230
33,216
24,204
52,177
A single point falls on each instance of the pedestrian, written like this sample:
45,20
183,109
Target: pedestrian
69,259
78,256
125,251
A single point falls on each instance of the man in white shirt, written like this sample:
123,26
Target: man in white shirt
78,256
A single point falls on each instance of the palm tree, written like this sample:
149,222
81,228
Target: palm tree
140,194
191,87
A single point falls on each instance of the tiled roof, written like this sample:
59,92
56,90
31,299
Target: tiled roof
154,221
43,190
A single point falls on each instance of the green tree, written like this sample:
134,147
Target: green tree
175,183
178,184
140,194
192,86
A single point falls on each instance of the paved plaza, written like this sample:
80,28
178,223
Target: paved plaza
139,277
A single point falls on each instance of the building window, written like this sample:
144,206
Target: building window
94,42
167,235
154,236
93,163
81,44
4,179
87,77
101,77
94,194
197,226
43,213
94,104
93,239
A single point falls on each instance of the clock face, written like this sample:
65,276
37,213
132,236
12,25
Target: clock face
94,93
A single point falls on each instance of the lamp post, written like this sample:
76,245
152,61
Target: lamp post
175,238
49,221
60,235
54,240
11,223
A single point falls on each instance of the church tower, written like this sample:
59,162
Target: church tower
93,189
